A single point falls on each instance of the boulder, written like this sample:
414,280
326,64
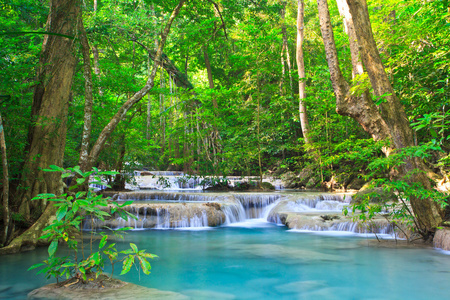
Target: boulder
442,239
267,186
374,195
356,184
146,173
305,175
289,180
101,288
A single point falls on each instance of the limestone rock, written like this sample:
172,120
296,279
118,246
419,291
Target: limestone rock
289,180
104,288
442,239
356,184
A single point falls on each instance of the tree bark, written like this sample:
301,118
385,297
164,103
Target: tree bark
88,98
427,212
5,186
285,47
109,128
363,111
47,134
301,74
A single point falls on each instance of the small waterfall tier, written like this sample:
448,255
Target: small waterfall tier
323,213
299,211
163,216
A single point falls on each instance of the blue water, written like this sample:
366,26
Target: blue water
266,262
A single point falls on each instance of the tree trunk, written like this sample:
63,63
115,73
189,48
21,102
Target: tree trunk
5,185
109,128
88,99
285,47
301,74
427,211
210,77
365,112
47,134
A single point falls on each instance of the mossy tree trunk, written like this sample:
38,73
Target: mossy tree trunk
47,134
427,211
386,122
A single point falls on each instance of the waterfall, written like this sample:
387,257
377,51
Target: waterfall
257,206
353,227
300,211
234,212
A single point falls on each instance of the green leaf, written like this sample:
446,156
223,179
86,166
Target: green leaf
126,203
43,196
81,180
96,257
36,266
75,207
124,229
61,213
108,173
103,242
145,265
53,247
127,263
134,247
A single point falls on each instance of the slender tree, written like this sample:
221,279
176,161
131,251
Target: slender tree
5,185
301,73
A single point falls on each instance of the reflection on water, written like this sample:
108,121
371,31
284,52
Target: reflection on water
264,262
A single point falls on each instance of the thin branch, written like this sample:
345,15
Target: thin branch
220,14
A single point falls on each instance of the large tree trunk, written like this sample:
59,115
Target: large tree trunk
363,111
47,134
427,211
109,128
390,121
301,73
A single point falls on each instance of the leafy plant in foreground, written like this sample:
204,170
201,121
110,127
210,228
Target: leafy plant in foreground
73,210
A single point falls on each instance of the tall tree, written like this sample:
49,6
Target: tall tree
47,134
427,211
5,185
388,122
301,73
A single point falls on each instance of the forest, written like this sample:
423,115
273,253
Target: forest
339,90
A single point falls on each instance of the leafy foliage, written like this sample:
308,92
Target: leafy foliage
73,210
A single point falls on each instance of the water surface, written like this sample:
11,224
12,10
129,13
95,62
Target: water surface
258,260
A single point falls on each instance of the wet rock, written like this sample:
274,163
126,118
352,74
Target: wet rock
442,239
289,180
312,183
146,173
267,186
104,288
356,184
330,217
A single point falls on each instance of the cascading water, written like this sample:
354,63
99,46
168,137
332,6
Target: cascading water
299,211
